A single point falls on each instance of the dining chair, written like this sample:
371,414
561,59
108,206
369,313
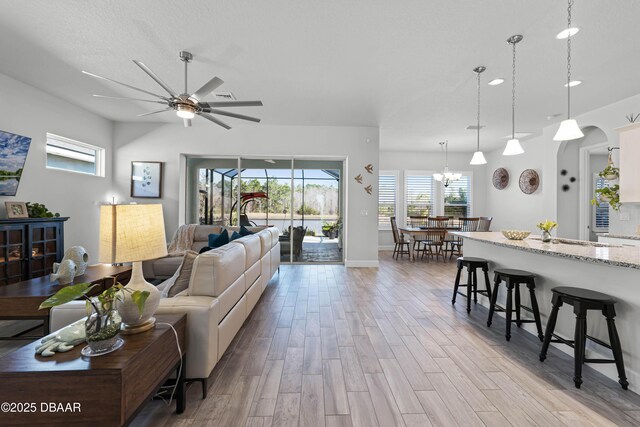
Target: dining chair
485,223
466,224
417,221
399,241
433,243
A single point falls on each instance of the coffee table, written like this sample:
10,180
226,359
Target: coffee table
107,390
20,301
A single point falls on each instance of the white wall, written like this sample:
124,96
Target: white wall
169,142
433,162
513,209
27,111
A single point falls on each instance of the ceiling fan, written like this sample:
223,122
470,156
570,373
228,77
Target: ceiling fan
186,106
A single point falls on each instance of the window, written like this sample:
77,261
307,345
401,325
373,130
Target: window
601,213
387,198
419,192
74,156
457,198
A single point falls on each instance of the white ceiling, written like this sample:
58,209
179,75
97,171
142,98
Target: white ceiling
403,66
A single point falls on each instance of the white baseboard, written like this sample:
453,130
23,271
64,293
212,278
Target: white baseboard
386,247
362,263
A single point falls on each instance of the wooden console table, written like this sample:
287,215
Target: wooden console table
20,301
107,390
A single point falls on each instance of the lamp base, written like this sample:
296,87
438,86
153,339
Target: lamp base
136,329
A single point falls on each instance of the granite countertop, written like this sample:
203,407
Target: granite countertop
622,236
620,256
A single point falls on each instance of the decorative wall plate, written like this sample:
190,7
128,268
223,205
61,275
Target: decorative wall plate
529,181
500,178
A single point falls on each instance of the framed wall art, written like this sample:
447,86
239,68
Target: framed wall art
146,179
13,154
16,210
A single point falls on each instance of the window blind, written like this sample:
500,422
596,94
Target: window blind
420,195
387,190
602,211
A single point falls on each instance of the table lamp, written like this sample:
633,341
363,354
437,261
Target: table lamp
133,233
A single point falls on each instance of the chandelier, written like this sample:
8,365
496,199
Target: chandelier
446,177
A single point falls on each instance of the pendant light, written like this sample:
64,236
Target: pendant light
446,177
513,145
569,128
478,157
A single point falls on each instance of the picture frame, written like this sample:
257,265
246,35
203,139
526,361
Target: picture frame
16,210
146,179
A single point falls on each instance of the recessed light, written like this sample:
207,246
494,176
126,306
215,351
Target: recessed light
496,82
573,83
567,32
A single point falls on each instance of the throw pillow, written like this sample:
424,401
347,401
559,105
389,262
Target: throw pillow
205,249
244,231
182,281
235,236
217,240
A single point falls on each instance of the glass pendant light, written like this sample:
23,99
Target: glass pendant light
513,145
446,177
569,128
478,157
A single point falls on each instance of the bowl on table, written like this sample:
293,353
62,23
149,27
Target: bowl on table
515,234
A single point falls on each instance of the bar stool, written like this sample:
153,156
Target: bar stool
583,300
514,278
472,265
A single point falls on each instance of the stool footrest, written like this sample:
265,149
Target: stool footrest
559,339
525,308
599,360
597,341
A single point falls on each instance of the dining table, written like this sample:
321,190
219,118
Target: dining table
415,233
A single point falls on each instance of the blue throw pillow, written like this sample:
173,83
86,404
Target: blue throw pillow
244,231
217,240
235,236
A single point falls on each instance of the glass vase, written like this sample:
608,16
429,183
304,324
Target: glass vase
546,236
102,330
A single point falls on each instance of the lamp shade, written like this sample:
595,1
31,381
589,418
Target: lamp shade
130,233
568,131
478,159
513,147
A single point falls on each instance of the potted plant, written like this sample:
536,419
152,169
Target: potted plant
610,173
103,321
546,228
329,229
609,195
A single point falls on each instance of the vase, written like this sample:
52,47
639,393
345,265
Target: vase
546,236
102,329
79,256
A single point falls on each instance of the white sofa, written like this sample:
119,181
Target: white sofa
225,285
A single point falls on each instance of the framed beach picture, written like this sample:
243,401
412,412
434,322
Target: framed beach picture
13,154
146,179
16,210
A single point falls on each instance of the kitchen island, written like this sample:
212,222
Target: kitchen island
611,269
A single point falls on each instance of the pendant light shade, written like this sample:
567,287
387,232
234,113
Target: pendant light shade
569,128
478,157
513,145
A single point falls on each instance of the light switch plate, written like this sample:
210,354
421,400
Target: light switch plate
364,212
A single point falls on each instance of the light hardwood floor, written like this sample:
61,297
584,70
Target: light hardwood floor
330,346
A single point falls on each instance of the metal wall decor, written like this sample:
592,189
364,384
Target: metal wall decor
500,178
358,178
529,181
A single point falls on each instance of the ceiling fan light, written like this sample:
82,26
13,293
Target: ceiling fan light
513,148
478,159
185,112
568,130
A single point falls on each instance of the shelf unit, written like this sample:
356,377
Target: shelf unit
29,247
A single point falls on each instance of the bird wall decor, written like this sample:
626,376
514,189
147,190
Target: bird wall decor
358,178
368,189
369,168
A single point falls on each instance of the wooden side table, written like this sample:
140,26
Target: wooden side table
20,301
107,390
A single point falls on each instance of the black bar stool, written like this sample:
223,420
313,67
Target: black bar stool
472,265
583,300
514,278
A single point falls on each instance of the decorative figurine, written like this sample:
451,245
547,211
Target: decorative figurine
63,340
64,272
79,256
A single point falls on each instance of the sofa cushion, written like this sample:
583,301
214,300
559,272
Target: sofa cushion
252,249
216,270
275,234
202,232
265,242
184,274
217,240
167,266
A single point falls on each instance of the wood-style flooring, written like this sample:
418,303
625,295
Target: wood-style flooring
330,346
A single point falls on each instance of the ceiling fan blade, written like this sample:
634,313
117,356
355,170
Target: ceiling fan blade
205,90
123,84
237,116
187,123
214,120
156,78
154,112
223,104
129,99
